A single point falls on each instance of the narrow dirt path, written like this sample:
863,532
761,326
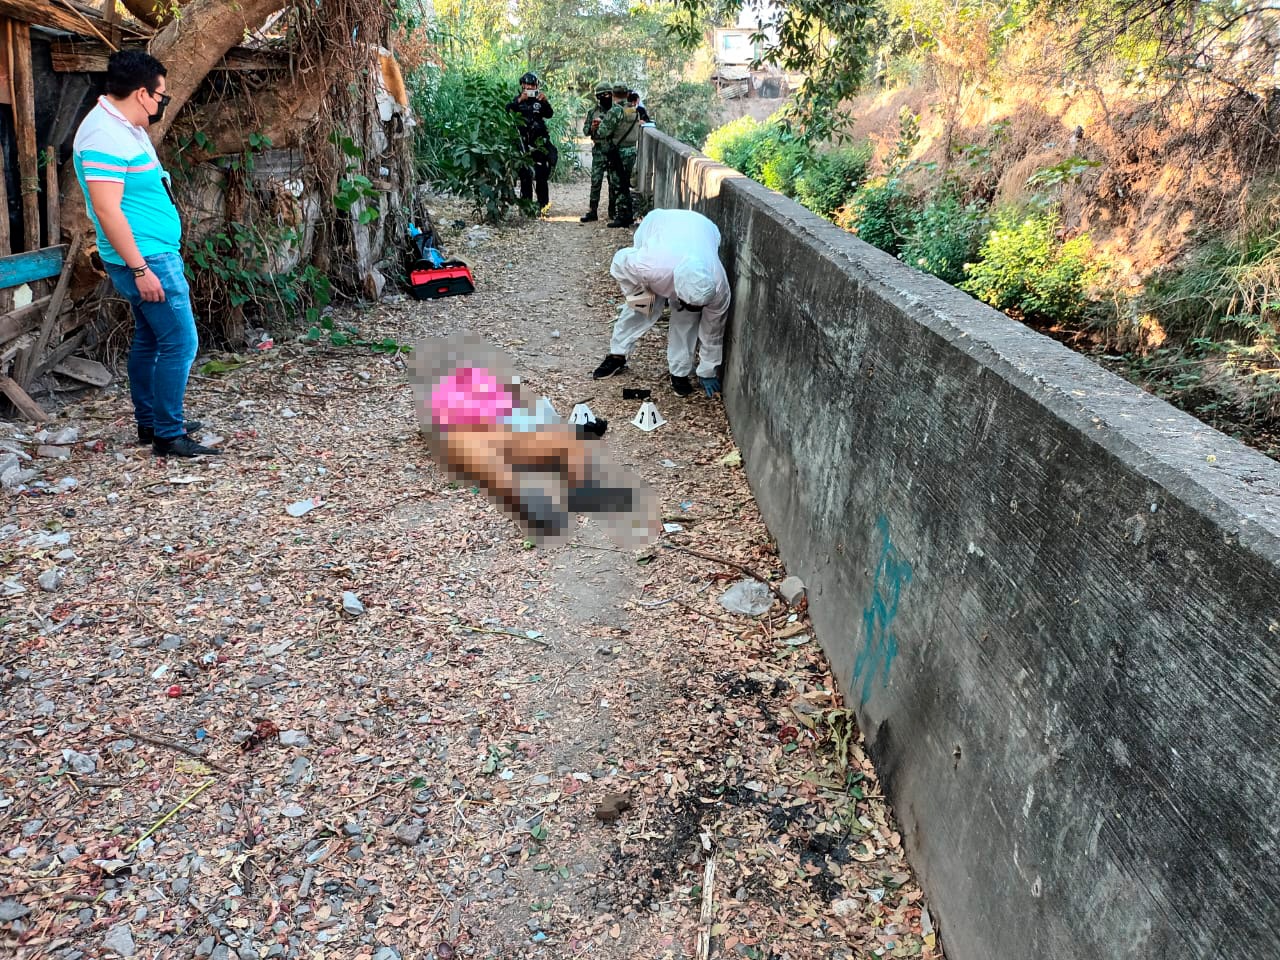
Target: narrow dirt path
433,759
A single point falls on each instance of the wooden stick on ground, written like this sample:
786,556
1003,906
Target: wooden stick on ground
22,400
52,204
708,911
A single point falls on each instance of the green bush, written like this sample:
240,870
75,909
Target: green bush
880,213
468,142
945,235
749,147
831,179
1023,266
786,162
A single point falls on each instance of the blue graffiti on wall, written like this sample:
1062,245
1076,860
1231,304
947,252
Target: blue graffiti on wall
879,644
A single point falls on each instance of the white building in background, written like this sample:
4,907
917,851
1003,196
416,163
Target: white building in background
735,52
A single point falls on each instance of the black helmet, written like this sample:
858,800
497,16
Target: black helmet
529,79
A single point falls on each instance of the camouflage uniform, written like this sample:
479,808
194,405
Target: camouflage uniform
620,131
599,163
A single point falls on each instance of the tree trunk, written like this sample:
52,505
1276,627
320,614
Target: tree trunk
190,45
282,113
147,11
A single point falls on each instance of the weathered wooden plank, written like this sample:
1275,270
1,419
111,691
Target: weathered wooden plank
84,56
17,322
22,400
86,371
60,15
24,120
5,244
39,264
24,370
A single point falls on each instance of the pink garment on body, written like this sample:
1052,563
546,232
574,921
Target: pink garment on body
468,397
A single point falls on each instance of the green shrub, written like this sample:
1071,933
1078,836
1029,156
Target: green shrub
945,235
749,147
724,141
880,213
468,142
786,162
1023,266
831,179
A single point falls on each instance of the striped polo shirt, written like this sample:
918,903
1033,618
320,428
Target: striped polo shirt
110,148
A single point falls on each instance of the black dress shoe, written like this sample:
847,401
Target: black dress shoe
148,434
681,385
619,223
182,446
609,366
592,498
540,515
590,217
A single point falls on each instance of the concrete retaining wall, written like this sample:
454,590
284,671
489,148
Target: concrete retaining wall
1052,599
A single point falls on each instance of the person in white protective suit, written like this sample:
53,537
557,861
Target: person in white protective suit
676,261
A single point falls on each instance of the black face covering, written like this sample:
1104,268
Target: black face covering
162,101
605,101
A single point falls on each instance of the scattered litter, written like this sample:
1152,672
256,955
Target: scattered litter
301,508
731,459
351,604
792,590
672,527
747,597
50,580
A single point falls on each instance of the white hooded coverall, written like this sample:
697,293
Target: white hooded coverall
674,248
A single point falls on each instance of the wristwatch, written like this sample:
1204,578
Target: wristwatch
140,271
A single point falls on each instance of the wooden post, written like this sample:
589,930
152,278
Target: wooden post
52,207
111,14
6,247
24,116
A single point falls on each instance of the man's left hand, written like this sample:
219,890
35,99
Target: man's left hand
711,385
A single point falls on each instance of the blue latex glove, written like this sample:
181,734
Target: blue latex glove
711,385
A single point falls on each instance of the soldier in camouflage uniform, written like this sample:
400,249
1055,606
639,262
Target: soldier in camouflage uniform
620,131
591,128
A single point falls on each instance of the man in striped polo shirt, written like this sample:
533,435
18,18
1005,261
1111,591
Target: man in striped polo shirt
139,239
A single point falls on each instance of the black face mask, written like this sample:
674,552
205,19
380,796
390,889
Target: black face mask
162,101
605,102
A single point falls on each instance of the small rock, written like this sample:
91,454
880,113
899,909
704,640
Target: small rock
352,829
171,641
50,580
351,604
180,886
220,952
120,940
792,590
293,738
387,953
409,834
205,948
79,762
613,806
68,853
300,768
292,810
11,910
747,597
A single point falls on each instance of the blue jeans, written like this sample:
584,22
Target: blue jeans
164,345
